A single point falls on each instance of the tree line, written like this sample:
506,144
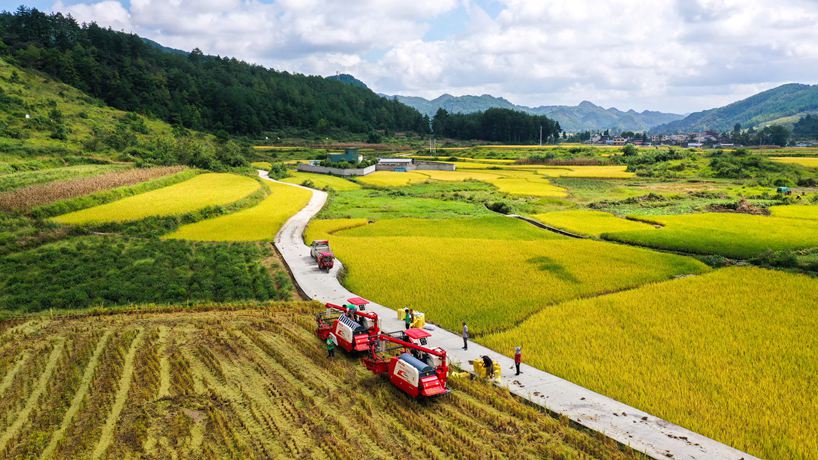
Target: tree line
496,125
192,90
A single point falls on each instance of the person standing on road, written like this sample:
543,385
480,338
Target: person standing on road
465,336
518,358
330,346
407,318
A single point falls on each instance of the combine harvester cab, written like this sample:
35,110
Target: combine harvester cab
415,369
351,335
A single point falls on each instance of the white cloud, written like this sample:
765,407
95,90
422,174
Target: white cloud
675,55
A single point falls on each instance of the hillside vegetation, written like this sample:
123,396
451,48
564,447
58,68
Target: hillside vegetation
242,383
48,124
783,101
195,91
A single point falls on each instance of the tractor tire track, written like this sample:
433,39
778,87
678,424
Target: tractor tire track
9,377
106,437
39,389
79,396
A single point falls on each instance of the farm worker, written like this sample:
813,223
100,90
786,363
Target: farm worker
489,365
330,346
412,315
518,358
465,336
351,309
407,319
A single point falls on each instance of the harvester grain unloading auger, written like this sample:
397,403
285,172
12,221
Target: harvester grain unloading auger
415,369
352,333
402,356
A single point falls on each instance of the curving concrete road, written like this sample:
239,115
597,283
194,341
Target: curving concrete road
642,431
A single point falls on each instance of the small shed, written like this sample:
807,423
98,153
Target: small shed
349,155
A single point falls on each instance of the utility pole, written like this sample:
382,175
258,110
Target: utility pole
540,135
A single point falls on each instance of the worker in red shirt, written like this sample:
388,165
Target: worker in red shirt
518,358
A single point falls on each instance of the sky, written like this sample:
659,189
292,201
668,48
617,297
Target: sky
670,55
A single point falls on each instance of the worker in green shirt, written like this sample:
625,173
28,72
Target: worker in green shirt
330,347
407,319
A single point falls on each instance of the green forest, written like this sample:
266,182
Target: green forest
496,125
192,90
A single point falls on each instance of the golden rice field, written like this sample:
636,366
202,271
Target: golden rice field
809,162
392,179
241,383
591,223
507,181
796,211
492,281
264,165
602,172
258,223
728,234
212,189
729,354
321,181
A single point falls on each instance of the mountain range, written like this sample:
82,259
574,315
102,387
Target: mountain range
585,116
781,105
784,104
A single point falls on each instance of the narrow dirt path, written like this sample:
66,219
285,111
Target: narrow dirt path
644,432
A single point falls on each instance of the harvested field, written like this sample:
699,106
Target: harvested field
30,197
211,189
729,354
25,178
260,222
247,383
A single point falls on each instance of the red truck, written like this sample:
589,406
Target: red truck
321,253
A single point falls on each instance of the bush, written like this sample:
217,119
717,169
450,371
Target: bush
500,206
278,171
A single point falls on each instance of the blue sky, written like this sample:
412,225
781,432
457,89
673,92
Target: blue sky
670,55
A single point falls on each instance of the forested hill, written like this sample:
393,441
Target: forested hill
763,108
196,91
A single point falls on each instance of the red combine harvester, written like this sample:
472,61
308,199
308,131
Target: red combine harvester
415,369
350,334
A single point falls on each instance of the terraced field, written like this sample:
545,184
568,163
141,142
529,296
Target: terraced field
809,162
258,223
490,272
728,234
591,223
321,181
246,383
211,189
729,354
796,211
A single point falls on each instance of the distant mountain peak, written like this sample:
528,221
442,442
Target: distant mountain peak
348,79
587,105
